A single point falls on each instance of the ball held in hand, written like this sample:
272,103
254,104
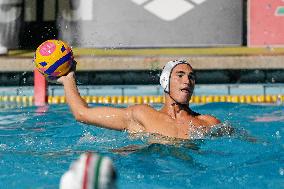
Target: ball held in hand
53,59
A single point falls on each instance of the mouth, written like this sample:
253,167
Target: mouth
185,90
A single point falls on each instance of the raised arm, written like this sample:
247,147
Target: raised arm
107,117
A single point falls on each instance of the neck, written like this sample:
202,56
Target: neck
172,107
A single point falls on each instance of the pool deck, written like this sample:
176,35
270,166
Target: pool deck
154,59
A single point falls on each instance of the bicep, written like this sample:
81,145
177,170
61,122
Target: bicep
107,117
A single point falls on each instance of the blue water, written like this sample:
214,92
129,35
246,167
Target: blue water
37,147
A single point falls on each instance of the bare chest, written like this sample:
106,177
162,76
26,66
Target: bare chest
178,127
190,126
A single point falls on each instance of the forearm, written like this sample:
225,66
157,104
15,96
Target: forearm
107,117
73,98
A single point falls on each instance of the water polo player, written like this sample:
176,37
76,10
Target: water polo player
175,119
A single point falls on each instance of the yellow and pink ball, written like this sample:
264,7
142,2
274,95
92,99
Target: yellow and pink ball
53,59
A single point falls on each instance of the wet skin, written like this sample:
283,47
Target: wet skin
175,119
182,82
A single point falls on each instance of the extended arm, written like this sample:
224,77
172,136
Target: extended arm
107,117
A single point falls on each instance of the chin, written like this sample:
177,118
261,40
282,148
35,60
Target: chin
183,101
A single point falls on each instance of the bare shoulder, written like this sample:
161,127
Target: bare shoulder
144,113
209,119
141,109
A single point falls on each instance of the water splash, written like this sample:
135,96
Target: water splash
87,138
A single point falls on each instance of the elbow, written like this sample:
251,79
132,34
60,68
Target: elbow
78,118
79,115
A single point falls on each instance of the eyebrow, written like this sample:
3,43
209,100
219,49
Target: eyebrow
182,72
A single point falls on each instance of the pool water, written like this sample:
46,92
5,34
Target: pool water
37,147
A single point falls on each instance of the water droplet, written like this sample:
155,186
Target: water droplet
277,134
140,176
281,171
279,101
3,146
272,80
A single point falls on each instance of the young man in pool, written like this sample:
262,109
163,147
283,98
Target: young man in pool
175,119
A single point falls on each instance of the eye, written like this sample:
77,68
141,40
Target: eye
180,75
192,77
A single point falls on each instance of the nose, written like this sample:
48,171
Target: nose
186,80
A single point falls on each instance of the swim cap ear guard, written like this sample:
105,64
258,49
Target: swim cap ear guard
166,73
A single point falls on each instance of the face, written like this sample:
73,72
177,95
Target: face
182,83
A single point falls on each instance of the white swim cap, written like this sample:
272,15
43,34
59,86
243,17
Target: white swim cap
166,73
88,172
